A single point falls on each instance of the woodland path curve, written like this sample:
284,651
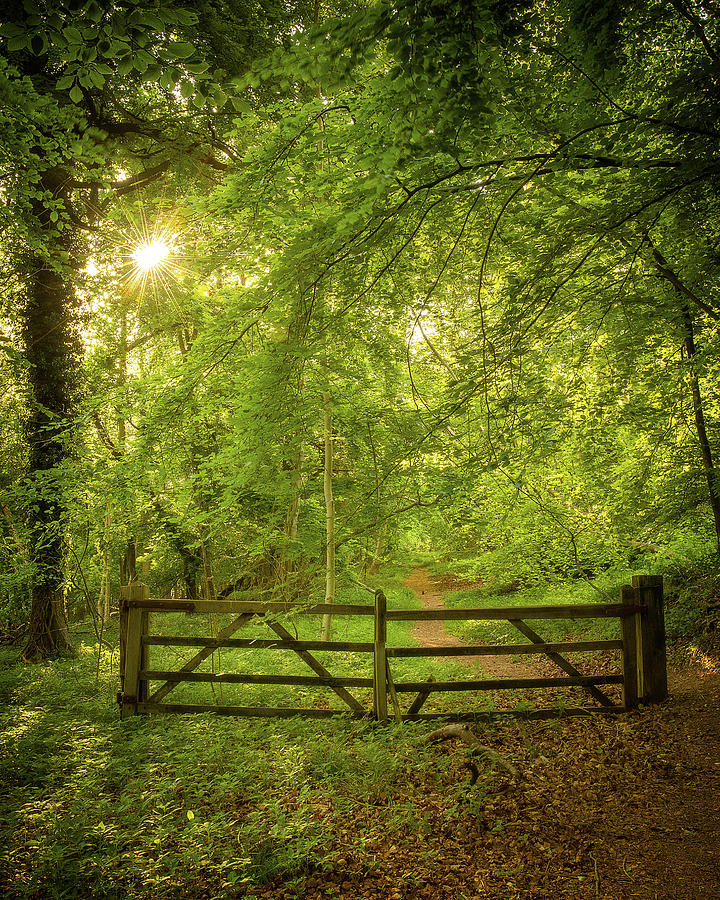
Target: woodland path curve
430,590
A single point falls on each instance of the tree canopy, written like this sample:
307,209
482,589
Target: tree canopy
441,275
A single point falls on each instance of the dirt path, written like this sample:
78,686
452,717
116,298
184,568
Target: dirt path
430,590
622,807
640,797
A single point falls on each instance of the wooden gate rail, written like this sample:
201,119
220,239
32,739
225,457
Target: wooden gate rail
135,643
642,645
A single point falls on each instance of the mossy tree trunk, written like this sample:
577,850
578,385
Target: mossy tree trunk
52,351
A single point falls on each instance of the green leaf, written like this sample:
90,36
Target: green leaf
181,50
185,17
17,43
72,35
140,62
125,65
197,68
240,105
118,48
38,44
220,98
94,12
155,22
76,94
153,73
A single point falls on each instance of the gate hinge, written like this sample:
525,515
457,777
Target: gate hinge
125,698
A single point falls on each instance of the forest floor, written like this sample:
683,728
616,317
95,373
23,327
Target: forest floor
203,807
605,807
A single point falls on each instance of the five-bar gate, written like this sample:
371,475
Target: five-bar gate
641,645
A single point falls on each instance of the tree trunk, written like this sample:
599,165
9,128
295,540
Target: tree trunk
128,563
209,591
329,517
52,351
705,449
105,599
687,297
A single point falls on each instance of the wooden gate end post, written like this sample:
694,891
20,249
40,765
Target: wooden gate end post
135,653
380,658
123,636
631,651
649,591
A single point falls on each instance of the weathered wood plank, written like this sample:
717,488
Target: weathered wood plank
631,657
422,696
557,713
564,611
253,607
283,712
506,683
560,661
380,659
320,669
502,649
262,643
393,692
201,655
243,678
133,660
649,590
263,712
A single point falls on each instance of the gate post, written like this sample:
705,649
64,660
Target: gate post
133,625
380,658
649,591
632,665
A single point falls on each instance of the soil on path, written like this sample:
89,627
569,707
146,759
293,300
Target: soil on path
430,590
622,807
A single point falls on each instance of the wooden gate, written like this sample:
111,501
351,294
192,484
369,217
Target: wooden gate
641,645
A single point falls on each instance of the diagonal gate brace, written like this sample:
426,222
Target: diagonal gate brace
320,669
559,660
193,663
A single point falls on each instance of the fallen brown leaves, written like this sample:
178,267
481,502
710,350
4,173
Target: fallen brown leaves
607,807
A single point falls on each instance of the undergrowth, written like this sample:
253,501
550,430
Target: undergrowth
176,805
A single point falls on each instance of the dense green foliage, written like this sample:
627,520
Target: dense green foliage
434,281
471,248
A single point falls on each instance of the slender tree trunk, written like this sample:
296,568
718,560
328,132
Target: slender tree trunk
52,350
705,449
208,577
293,513
688,297
329,517
376,559
105,599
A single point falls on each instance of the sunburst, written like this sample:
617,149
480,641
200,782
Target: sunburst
153,261
150,255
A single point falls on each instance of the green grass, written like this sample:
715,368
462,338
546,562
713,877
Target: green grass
607,589
166,806
205,806
92,806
